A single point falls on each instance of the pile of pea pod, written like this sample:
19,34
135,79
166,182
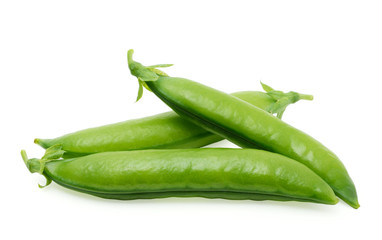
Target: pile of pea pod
161,156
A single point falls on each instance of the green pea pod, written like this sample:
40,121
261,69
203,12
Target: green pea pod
202,172
246,126
162,131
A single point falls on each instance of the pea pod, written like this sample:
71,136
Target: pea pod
204,172
162,131
245,125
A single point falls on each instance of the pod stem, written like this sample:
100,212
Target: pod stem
144,73
34,165
283,100
305,96
24,156
130,56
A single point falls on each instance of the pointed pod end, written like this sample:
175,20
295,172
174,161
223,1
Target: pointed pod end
330,197
356,206
349,196
44,143
353,204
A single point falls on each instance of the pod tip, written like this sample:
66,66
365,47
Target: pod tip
355,205
44,143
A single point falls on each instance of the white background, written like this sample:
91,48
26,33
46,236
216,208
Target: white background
63,68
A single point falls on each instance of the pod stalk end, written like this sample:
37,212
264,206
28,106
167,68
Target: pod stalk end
305,97
34,165
144,73
283,100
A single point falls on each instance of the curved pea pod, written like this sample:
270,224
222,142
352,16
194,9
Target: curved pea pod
245,125
161,131
204,172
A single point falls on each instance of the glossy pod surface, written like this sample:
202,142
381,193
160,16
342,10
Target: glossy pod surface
212,173
247,126
162,131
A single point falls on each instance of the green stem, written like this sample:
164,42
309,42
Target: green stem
130,56
38,165
283,100
280,114
144,73
33,164
306,97
24,156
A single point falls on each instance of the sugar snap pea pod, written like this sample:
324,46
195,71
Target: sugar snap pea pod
202,172
165,131
245,125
